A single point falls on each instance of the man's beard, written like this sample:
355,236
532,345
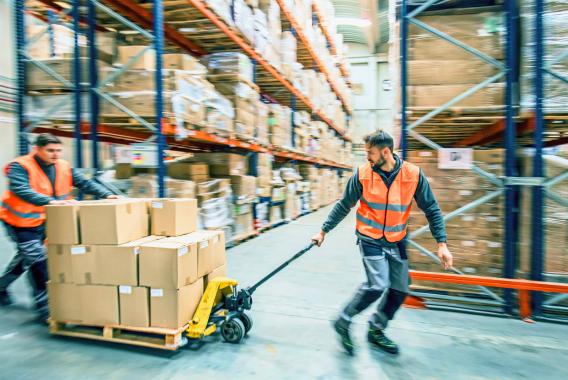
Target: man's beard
379,163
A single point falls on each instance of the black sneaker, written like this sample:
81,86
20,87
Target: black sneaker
378,339
5,299
345,340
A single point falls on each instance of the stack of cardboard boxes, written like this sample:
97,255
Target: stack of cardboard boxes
474,237
130,262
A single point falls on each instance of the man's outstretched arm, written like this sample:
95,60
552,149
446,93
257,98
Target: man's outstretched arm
351,196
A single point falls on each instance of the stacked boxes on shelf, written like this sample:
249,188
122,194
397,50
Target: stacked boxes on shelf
110,262
475,237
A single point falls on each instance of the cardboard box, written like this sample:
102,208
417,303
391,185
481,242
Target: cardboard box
166,264
118,264
213,186
185,170
243,225
263,192
172,61
218,246
489,155
134,306
204,243
243,185
436,72
59,263
436,96
223,163
218,272
62,224
123,171
198,178
112,222
146,62
174,308
99,304
174,217
85,264
64,304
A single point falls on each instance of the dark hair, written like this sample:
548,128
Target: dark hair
380,139
46,138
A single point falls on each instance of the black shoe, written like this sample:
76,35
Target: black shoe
5,299
378,339
344,335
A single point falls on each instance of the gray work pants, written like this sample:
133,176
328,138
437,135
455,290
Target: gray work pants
387,280
29,257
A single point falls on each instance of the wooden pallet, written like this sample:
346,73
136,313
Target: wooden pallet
164,339
242,239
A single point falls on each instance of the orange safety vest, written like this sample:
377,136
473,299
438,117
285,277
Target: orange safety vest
384,211
18,213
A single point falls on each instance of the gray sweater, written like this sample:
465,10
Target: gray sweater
424,199
20,183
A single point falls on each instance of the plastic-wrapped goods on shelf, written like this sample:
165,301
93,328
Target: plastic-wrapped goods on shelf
272,10
216,212
38,107
219,115
288,54
223,9
229,66
40,80
261,122
262,40
243,16
555,21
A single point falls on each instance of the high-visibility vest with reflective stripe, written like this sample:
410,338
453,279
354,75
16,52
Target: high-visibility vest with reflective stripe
19,213
384,211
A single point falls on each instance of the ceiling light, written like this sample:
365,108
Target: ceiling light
352,21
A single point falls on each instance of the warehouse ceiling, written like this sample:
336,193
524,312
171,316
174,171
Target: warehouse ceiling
373,35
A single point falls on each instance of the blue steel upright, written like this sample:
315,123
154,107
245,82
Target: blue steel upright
159,47
93,80
19,22
51,19
511,14
537,247
77,85
293,123
403,76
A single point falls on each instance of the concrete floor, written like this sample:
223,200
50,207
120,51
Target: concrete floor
291,337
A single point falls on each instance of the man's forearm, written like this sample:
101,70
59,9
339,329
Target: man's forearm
89,186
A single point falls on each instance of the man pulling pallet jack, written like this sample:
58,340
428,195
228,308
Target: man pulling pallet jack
385,187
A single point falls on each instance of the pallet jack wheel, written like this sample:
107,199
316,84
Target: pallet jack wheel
233,330
247,321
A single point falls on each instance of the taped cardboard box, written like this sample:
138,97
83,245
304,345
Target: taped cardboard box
134,306
146,62
174,308
59,264
448,72
439,49
218,272
174,217
205,250
62,224
223,163
118,264
167,264
218,245
436,96
85,264
64,304
184,170
38,79
243,186
243,225
99,304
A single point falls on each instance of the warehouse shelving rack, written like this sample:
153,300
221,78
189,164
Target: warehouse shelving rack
137,17
409,130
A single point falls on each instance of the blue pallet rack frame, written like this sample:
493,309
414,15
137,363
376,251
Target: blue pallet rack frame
504,187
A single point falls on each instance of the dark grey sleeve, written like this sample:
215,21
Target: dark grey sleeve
351,195
426,201
88,186
20,185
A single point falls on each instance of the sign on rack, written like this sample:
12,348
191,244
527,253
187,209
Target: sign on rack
455,158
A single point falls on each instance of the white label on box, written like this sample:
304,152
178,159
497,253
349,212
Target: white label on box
204,244
468,243
466,192
425,154
136,250
495,167
240,165
125,289
469,270
494,270
493,244
259,190
78,251
215,239
468,218
455,158
183,251
157,205
492,219
156,292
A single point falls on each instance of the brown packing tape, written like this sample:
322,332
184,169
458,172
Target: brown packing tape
88,278
62,278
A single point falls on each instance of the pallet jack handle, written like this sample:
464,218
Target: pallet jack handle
297,255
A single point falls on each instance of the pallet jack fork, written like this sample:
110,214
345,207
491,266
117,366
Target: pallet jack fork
223,304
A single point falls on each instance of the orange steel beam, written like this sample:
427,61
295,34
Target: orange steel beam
494,133
304,39
327,35
250,51
58,8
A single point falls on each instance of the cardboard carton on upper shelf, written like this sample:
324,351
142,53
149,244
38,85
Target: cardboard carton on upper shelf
174,308
134,304
123,171
436,96
186,170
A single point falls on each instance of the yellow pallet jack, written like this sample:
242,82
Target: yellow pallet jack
222,304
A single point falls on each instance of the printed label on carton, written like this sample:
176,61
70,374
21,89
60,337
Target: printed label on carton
157,205
493,244
78,251
467,218
466,192
183,251
125,289
216,239
204,244
156,292
468,243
